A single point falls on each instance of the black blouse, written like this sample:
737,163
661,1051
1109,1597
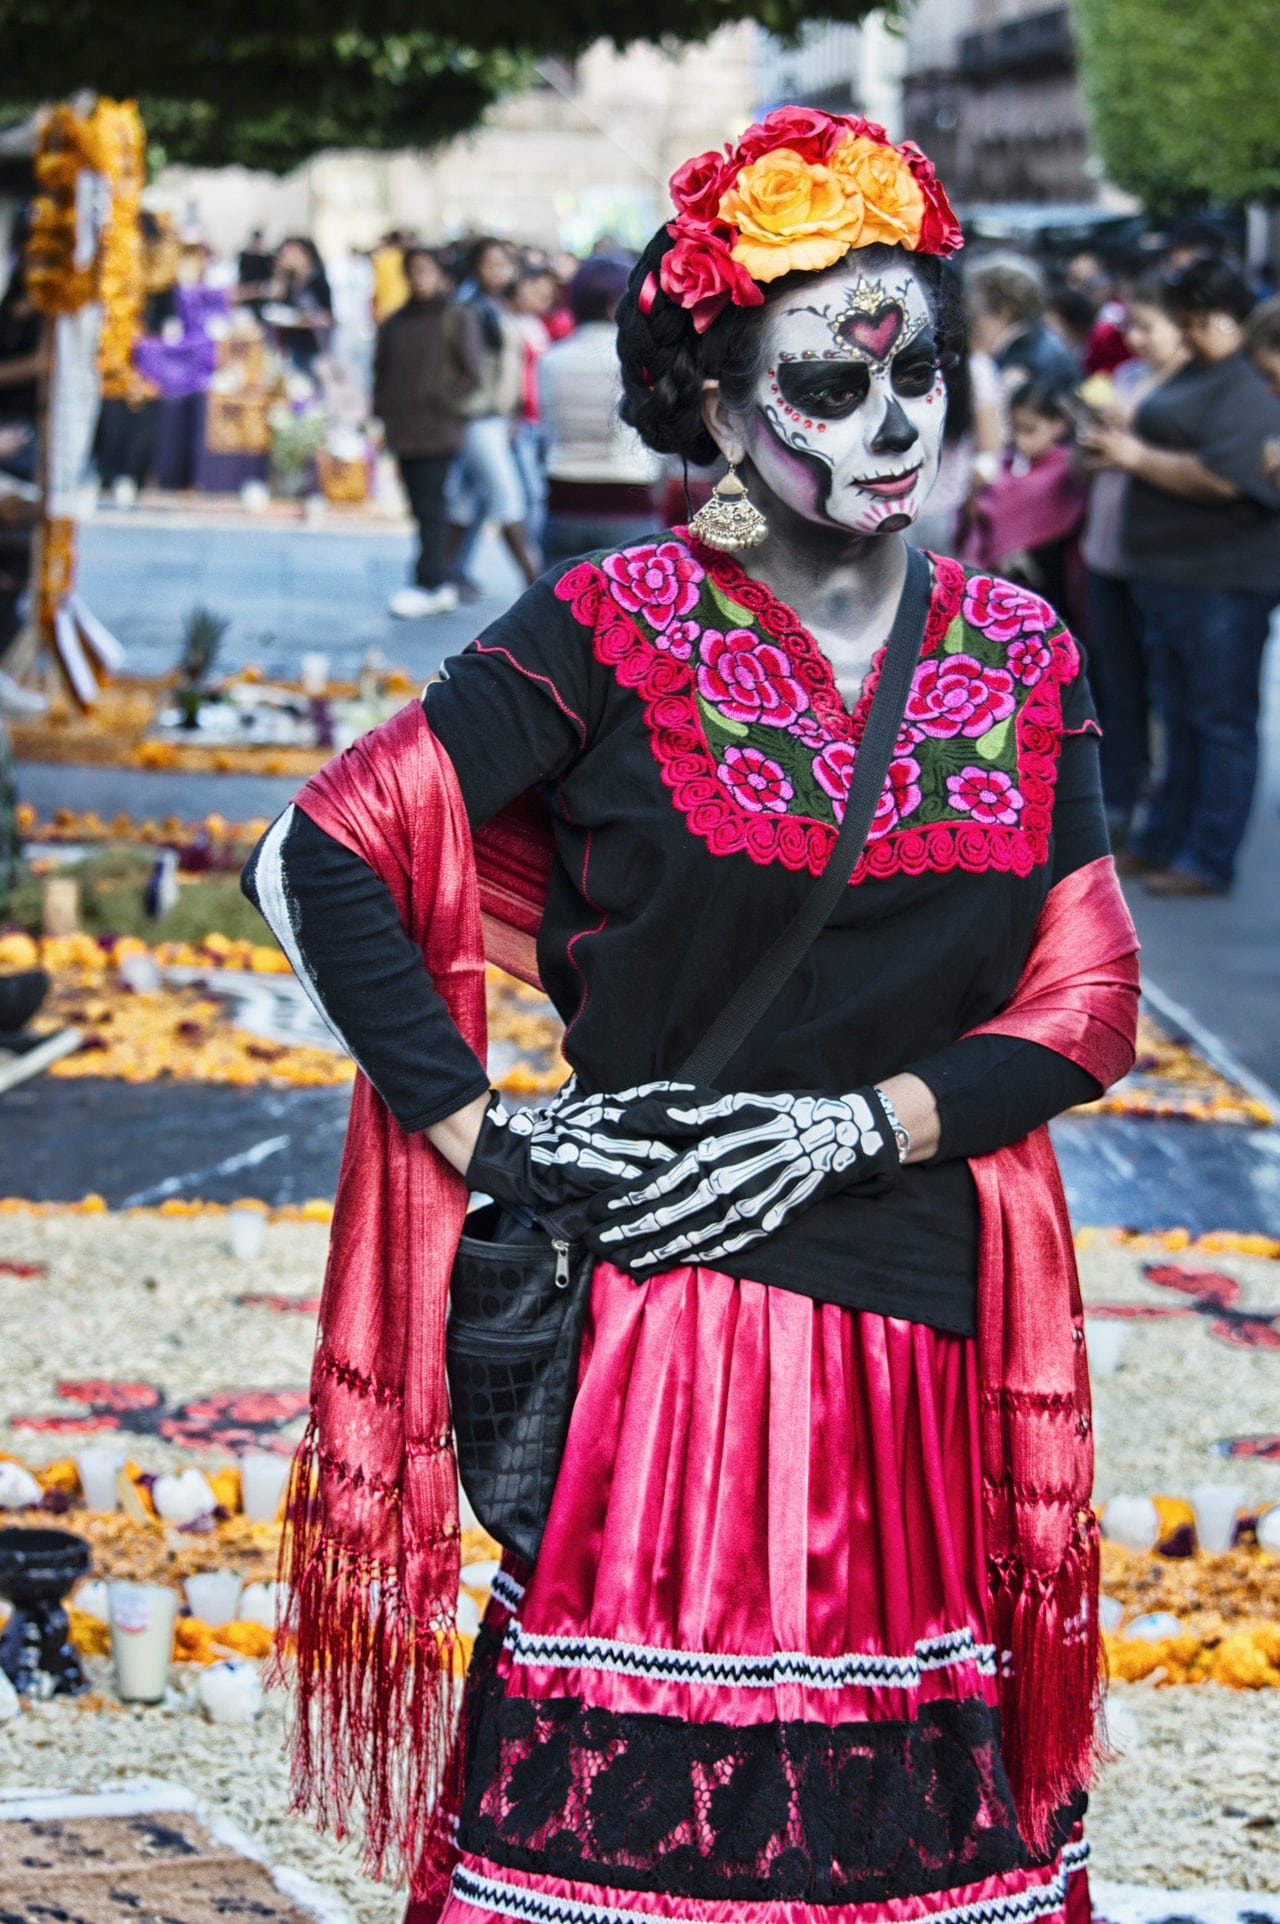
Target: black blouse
688,736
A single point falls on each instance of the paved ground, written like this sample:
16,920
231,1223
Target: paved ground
287,589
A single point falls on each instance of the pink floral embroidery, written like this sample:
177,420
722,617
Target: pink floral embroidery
955,695
660,582
1029,658
678,639
833,772
987,794
1004,611
755,782
749,680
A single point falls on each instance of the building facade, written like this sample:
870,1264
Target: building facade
991,94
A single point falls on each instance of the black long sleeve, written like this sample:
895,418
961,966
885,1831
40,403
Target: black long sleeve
338,924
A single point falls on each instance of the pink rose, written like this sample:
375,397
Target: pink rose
987,794
900,796
699,272
1004,612
678,639
955,695
1029,659
749,680
660,581
755,782
697,186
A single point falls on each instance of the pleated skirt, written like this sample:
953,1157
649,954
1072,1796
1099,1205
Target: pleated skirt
752,1675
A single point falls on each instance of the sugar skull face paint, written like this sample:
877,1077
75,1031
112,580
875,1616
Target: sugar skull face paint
847,418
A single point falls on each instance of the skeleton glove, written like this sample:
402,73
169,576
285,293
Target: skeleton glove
751,1161
543,1160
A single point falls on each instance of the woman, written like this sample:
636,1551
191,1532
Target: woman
1202,545
486,484
301,304
601,478
812,1620
1117,659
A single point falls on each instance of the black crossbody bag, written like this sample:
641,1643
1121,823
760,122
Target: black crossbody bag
519,1290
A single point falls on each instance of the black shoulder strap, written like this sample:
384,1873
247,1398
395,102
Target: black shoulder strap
753,997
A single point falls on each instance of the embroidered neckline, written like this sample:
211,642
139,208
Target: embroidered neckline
750,734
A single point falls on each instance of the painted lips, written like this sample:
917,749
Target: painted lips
892,487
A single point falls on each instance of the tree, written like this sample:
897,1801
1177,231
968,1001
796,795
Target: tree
1182,95
239,80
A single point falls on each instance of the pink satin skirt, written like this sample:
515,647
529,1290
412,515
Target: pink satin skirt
752,1672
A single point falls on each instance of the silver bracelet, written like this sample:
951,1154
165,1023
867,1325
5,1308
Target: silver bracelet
901,1134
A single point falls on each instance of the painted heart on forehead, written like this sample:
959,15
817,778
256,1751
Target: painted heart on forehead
874,334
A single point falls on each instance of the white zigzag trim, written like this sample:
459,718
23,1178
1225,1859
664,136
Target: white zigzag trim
763,1672
507,1591
540,1907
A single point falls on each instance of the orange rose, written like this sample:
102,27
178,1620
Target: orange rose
790,213
893,205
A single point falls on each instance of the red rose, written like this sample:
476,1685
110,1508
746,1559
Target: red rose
749,680
806,130
697,186
700,274
955,695
940,231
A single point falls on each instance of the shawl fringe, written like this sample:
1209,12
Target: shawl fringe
1051,1679
375,1693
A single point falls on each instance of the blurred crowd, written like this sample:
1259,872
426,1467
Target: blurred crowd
1112,443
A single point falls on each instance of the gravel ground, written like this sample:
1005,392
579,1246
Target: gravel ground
1194,1800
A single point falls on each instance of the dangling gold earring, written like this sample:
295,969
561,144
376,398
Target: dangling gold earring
728,521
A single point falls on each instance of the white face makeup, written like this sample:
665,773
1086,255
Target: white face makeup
847,418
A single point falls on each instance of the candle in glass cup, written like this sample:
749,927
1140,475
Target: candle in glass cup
263,1477
246,1233
1106,1339
1216,1506
214,1596
142,1620
98,1467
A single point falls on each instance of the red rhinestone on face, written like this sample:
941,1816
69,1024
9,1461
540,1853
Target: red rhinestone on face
808,424
822,427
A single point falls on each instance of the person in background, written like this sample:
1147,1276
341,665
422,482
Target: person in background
1106,346
1025,523
301,289
1006,294
390,275
486,484
428,359
560,320
972,440
532,299
1262,342
600,476
255,269
1069,314
1202,542
1117,658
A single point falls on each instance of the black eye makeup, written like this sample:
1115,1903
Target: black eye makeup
826,390
916,369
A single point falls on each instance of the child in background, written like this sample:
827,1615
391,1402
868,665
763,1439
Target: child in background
1026,523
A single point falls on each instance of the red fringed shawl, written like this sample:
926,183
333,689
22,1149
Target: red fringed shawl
372,1549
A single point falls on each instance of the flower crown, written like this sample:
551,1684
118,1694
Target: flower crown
797,192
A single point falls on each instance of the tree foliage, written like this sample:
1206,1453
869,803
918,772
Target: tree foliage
243,80
1182,95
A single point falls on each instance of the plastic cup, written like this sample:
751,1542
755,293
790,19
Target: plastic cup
263,1477
246,1233
1216,1506
214,1596
142,1620
1107,1341
98,1467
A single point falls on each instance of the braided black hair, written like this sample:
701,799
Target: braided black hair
665,360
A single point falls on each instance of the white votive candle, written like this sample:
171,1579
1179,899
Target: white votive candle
246,1233
98,1467
214,1596
1216,1505
1107,1340
142,1620
263,1477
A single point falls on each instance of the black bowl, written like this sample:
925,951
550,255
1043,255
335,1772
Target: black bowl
20,996
40,1565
